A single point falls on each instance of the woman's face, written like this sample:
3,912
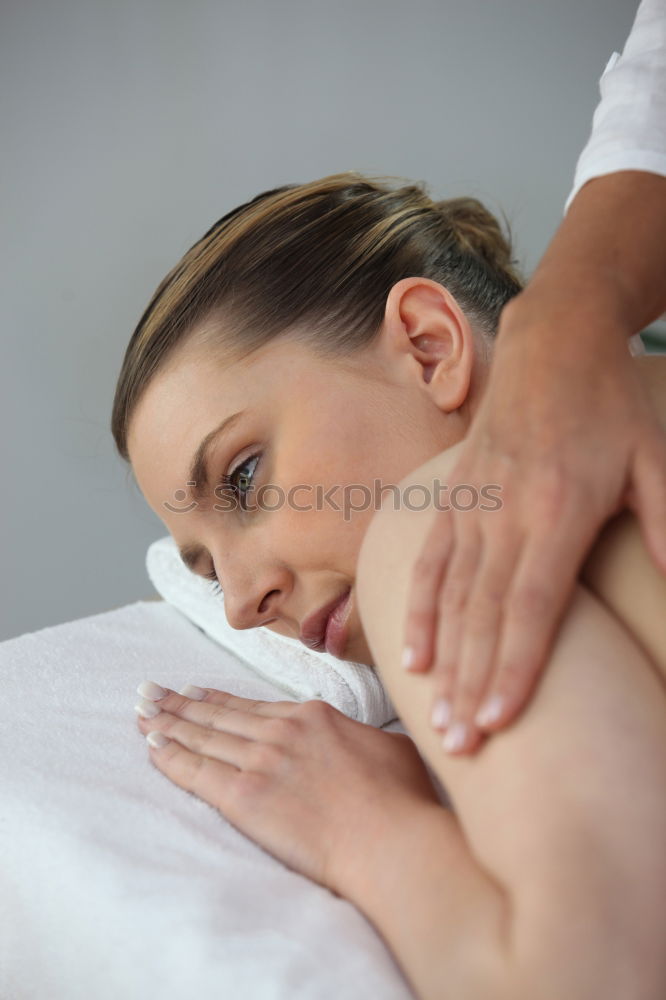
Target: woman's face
322,433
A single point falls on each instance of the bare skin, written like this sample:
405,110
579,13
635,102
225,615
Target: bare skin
543,832
563,422
593,737
481,901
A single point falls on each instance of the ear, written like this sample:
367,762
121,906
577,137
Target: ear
425,326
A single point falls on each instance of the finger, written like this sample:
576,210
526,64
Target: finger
209,779
228,748
481,630
445,678
216,714
172,702
542,586
423,601
649,497
249,725
453,598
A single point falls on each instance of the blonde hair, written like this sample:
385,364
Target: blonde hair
317,260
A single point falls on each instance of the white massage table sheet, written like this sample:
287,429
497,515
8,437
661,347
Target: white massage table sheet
115,882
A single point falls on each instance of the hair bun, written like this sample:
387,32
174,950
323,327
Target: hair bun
478,231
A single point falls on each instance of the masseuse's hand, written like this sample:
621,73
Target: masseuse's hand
309,785
566,430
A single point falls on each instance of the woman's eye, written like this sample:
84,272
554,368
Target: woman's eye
239,482
242,481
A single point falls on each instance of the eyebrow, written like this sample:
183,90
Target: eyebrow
198,475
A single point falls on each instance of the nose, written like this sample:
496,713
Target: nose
255,580
241,614
252,603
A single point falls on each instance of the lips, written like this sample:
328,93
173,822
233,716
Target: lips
313,629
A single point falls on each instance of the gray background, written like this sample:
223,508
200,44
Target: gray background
130,126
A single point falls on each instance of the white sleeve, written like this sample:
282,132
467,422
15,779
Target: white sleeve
629,124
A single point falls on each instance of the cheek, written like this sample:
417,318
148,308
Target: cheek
331,523
336,457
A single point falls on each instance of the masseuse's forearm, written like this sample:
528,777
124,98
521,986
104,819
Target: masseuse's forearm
608,257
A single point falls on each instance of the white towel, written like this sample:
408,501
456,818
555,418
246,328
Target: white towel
117,884
353,688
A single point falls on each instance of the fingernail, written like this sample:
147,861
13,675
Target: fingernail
455,737
151,691
441,714
408,657
147,709
193,692
490,712
157,740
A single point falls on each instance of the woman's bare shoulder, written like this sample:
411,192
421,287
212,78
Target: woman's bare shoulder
538,802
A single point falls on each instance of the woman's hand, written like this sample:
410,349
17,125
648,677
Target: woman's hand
565,429
309,785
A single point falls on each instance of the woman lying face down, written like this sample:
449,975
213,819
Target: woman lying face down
344,331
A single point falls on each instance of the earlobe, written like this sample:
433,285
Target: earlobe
448,381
